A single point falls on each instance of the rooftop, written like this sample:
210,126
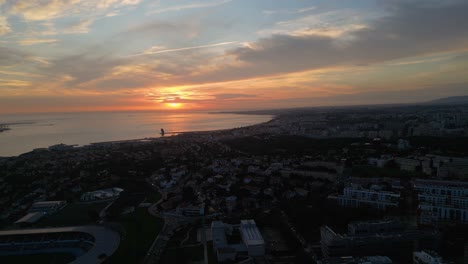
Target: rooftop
31,217
250,233
420,182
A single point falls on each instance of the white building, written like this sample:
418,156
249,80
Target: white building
378,162
252,243
453,167
218,232
426,257
47,206
357,260
408,164
231,202
442,200
252,238
111,193
356,197
191,210
403,144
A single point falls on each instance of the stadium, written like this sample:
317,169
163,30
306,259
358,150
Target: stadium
87,244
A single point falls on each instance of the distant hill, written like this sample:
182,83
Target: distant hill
450,100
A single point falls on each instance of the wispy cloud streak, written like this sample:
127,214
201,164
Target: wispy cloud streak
188,6
186,48
33,41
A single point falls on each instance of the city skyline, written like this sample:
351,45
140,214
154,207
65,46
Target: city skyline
228,54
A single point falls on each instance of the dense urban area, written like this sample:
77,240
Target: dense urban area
376,184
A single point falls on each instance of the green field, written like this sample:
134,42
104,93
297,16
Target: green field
183,254
154,197
141,228
191,251
56,258
73,215
211,254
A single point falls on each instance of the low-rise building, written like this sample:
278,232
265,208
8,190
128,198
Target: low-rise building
427,257
252,238
251,241
375,238
47,206
191,210
358,260
356,196
106,194
442,201
39,210
407,164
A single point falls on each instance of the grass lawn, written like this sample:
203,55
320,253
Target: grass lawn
154,197
211,254
72,215
183,255
187,253
56,258
177,238
141,229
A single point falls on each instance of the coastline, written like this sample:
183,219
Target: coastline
171,135
175,135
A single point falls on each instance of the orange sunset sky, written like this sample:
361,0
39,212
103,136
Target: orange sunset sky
83,55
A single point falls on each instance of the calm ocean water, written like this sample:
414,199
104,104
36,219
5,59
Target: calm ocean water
30,131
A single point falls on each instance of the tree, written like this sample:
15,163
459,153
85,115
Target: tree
188,193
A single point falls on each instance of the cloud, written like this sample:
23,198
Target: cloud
83,68
269,12
230,96
306,9
105,4
10,56
331,23
4,26
18,73
34,10
13,83
112,14
200,98
188,6
288,11
34,41
408,32
159,50
76,102
412,95
80,27
159,27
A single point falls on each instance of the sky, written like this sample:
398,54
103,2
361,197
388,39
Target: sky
92,55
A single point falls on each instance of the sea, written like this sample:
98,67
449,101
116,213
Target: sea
40,130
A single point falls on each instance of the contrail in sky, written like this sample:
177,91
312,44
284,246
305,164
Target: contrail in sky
187,48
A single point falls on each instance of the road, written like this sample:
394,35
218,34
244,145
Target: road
159,244
171,224
203,237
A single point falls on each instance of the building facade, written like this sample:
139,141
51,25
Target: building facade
375,238
251,242
356,197
441,201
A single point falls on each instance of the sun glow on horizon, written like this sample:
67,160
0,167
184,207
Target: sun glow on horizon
174,105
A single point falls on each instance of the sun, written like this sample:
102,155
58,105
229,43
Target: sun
174,105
